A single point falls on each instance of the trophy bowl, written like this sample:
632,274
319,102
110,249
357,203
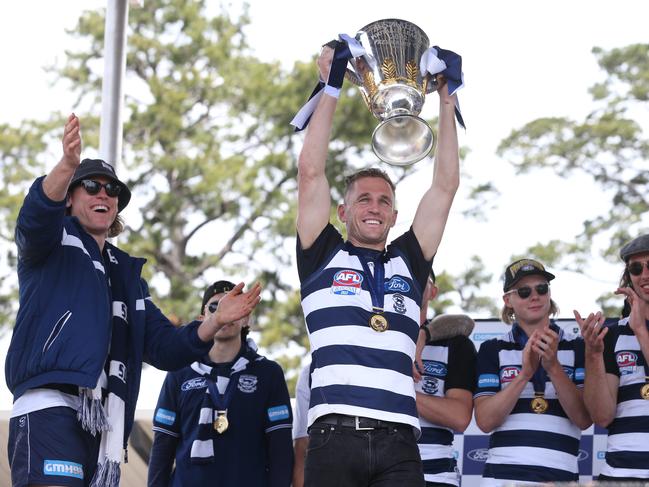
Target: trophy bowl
393,88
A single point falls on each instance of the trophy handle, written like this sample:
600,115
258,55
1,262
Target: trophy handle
352,76
430,83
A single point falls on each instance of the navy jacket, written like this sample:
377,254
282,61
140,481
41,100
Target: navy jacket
63,327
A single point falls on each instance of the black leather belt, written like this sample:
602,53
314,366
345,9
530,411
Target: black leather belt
359,423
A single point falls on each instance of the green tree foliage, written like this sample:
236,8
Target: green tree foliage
209,155
609,147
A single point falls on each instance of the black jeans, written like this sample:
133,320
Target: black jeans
344,457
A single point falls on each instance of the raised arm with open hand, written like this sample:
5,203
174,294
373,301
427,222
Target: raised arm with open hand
234,305
57,181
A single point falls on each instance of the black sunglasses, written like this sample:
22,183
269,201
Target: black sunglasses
635,268
212,306
525,292
93,187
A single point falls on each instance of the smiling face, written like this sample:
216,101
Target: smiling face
640,282
533,310
96,213
368,212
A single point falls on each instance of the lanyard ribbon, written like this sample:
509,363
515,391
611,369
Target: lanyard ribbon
222,401
375,280
540,376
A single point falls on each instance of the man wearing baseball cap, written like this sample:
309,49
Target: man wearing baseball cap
617,375
226,419
85,324
528,394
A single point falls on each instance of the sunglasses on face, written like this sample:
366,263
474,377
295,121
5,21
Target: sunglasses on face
635,268
93,187
212,306
525,292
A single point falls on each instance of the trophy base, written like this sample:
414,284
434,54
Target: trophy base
402,140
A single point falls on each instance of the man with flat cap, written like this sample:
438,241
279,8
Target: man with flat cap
85,324
616,390
226,419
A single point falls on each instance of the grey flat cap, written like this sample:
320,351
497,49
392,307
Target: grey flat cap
638,245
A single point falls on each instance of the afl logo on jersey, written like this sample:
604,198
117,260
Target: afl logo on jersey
508,374
626,361
346,283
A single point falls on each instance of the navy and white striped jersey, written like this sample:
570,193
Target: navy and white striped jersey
627,450
448,364
260,411
358,371
530,447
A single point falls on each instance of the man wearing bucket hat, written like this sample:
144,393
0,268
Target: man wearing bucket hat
616,391
244,438
528,393
84,326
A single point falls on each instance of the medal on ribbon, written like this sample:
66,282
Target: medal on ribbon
644,391
539,404
220,401
378,321
221,422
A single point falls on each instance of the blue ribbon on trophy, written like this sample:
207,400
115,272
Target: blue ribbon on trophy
442,61
346,48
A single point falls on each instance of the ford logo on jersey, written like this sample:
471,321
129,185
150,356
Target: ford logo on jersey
478,455
396,283
434,368
196,383
346,283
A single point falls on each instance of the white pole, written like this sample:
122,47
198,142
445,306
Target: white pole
112,100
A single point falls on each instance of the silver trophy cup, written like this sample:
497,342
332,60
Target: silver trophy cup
393,88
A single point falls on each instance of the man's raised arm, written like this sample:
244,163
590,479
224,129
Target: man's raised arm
55,185
314,199
434,207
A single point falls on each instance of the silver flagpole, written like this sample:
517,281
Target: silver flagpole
112,101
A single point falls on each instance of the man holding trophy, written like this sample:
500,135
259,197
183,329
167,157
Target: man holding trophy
361,302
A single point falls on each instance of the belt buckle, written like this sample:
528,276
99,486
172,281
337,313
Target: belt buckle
358,427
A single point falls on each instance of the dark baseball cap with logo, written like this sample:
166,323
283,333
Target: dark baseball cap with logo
97,167
521,268
217,288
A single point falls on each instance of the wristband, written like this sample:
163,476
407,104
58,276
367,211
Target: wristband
332,91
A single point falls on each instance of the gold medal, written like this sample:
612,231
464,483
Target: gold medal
539,405
644,392
221,422
378,323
